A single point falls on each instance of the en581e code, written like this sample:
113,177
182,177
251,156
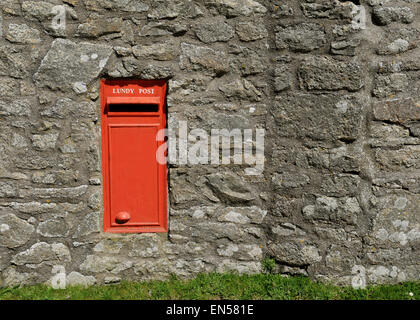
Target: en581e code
230,309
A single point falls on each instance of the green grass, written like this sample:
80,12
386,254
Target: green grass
218,286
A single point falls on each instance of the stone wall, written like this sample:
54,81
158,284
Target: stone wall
335,84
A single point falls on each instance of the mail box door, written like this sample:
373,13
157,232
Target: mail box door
134,182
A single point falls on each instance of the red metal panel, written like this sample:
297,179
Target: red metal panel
134,182
133,100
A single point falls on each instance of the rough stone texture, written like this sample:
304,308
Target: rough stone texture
384,16
249,31
214,30
22,34
234,8
319,117
295,254
303,37
42,253
14,232
123,5
47,193
336,92
68,63
198,58
98,26
328,74
327,9
78,279
158,51
397,110
389,85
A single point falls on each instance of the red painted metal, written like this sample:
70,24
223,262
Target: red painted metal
122,217
134,183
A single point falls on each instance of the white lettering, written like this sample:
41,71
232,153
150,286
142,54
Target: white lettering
146,91
122,90
176,310
131,91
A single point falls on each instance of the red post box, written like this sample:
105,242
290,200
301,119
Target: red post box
134,183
